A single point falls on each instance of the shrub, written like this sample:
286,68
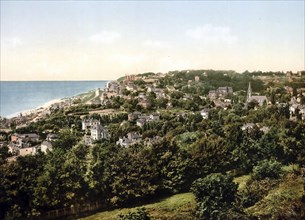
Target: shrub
215,195
255,190
139,214
267,169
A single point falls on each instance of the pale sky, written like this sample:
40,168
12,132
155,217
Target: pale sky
103,40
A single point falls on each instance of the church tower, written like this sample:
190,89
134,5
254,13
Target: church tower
249,93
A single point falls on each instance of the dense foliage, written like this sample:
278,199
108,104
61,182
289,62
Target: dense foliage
215,195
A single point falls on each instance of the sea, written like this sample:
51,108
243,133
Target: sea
18,96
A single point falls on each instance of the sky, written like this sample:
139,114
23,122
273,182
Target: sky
103,40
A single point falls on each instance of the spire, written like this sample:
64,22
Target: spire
249,93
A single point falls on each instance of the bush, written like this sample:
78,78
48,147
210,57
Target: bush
267,169
215,195
255,190
139,214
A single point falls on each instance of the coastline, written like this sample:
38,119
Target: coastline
49,93
36,110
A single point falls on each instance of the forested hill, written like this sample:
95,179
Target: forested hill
155,135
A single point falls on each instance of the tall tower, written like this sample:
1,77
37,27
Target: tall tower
249,93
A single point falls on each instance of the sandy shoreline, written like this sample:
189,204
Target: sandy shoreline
36,110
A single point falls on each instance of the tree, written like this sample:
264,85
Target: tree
133,174
17,183
215,195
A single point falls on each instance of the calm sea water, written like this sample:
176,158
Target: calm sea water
19,96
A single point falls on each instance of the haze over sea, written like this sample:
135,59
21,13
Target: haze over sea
17,96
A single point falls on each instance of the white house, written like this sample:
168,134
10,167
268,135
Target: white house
27,151
205,113
99,132
87,123
132,138
46,146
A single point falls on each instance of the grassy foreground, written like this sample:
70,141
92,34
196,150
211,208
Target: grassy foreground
180,206
280,202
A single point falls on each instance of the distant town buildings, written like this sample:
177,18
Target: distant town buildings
221,92
129,78
141,119
251,98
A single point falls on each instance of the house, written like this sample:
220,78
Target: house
87,123
220,92
154,116
251,126
142,119
124,142
187,97
213,94
205,113
224,91
293,108
27,151
153,141
160,93
132,138
150,88
141,122
113,86
259,99
87,139
13,149
99,132
52,137
131,87
31,137
247,126
133,116
46,146
144,103
24,140
142,95
302,112
220,104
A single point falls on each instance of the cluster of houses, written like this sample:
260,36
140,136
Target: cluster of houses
30,144
141,119
221,92
25,144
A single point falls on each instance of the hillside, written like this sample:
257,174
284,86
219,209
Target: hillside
180,206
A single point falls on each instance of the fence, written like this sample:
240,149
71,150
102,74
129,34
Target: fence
71,211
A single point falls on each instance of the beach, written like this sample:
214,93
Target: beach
37,110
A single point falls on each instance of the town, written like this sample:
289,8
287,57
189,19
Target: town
217,110
146,91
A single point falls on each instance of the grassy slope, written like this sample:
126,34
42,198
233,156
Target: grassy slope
180,206
291,189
